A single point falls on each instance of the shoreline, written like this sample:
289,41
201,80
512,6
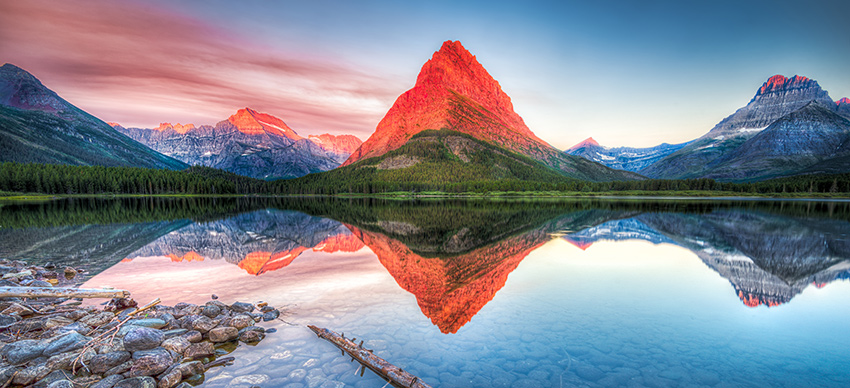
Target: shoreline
654,195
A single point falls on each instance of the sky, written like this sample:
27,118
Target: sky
627,73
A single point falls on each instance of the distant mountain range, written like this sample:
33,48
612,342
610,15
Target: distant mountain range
248,143
36,125
623,158
791,126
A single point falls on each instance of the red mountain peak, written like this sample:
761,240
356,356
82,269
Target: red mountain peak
113,124
251,122
780,82
179,128
454,91
340,144
585,143
844,100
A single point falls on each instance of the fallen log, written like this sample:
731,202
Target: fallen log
60,292
389,372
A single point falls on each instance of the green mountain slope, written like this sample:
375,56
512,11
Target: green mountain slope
36,125
441,160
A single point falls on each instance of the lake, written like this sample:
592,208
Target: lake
485,293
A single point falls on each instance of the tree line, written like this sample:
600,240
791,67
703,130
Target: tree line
66,179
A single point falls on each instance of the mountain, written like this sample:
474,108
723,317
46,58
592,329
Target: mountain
777,97
434,160
36,125
623,158
843,107
795,142
454,91
248,143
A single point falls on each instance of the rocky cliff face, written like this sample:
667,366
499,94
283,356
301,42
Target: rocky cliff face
791,144
38,126
842,107
248,143
623,158
257,242
454,91
777,97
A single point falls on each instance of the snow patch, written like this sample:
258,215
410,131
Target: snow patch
208,153
274,126
749,130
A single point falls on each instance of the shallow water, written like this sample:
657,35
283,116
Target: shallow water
490,294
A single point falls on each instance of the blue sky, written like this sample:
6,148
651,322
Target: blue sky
625,72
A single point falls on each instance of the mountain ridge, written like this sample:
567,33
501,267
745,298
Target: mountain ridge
250,143
777,97
38,126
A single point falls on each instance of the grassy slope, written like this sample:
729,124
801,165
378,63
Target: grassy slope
39,137
472,163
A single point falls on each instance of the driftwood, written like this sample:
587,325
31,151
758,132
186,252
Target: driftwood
60,292
389,372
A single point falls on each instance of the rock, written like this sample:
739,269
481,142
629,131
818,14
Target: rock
251,334
199,350
190,369
30,375
61,384
6,372
40,283
172,333
65,343
223,334
53,322
108,381
75,327
150,362
176,344
136,382
51,377
193,336
211,310
271,315
97,319
242,307
203,324
70,272
214,296
17,309
104,362
154,323
248,380
117,304
241,321
18,275
142,338
6,320
75,314
170,379
22,351
120,369
65,360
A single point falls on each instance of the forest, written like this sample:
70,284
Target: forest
89,180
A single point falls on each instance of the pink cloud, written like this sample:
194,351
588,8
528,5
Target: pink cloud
139,65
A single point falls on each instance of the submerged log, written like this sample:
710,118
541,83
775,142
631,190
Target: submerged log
389,372
59,292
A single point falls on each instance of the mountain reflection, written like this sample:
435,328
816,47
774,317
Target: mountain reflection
452,255
258,242
767,257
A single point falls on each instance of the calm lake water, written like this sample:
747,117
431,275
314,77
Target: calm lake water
478,293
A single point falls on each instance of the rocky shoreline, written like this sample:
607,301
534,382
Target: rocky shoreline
59,343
